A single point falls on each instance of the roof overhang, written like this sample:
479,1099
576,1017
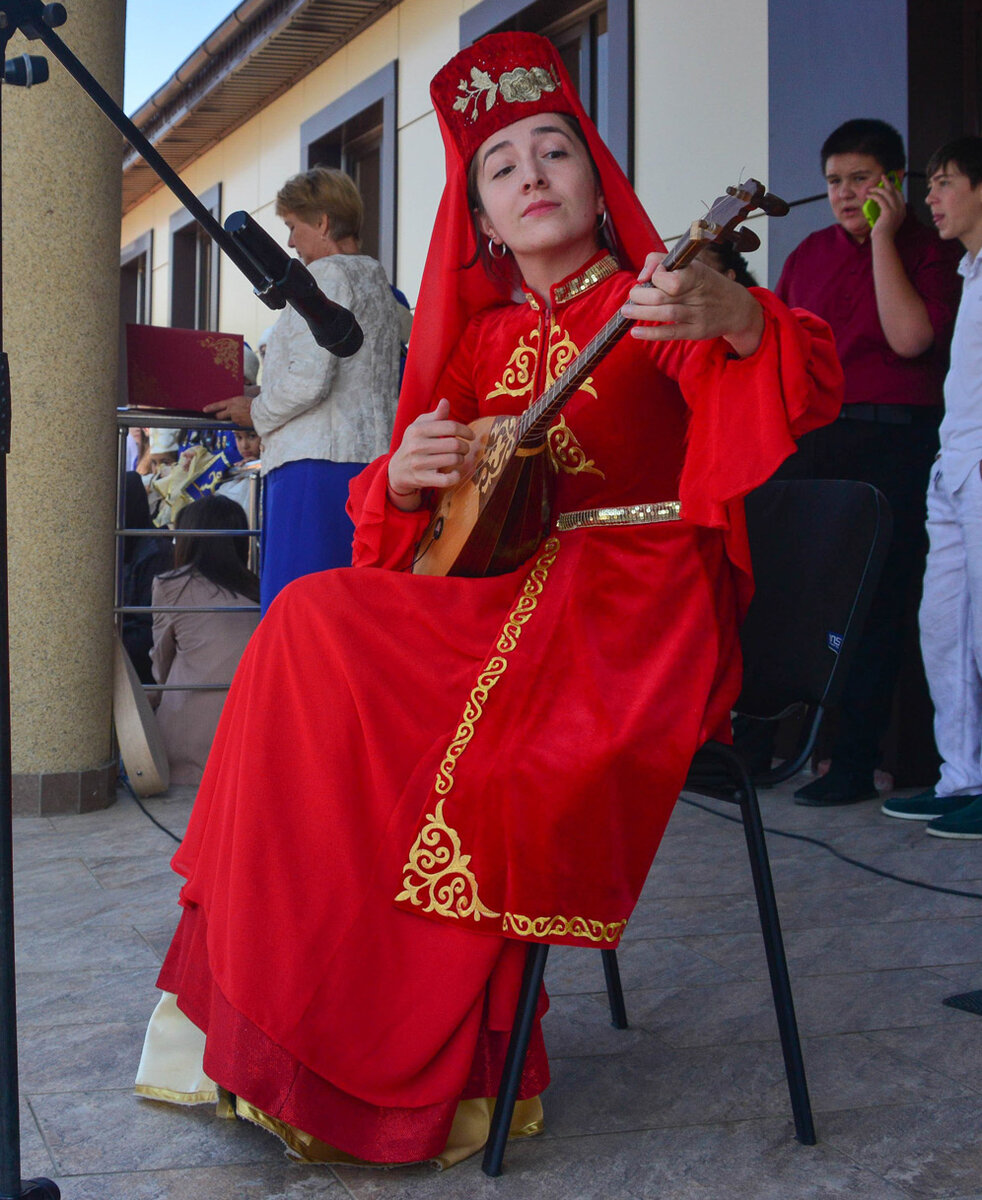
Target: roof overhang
260,51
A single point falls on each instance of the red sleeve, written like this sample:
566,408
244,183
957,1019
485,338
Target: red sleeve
746,413
935,278
385,536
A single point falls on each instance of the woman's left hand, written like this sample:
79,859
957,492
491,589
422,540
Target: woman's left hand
235,408
694,302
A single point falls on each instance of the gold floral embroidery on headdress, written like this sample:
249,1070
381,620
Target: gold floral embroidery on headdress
520,86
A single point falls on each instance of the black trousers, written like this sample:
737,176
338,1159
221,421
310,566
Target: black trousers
895,457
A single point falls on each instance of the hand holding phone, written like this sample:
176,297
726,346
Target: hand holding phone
871,210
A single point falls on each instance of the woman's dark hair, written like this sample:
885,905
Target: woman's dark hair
964,152
867,135
221,560
729,258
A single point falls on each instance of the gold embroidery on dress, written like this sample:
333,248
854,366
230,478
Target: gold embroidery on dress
567,454
580,927
437,876
518,376
519,373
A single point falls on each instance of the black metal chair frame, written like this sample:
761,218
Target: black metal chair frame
720,771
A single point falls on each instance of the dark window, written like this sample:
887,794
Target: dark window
358,134
194,268
135,266
595,41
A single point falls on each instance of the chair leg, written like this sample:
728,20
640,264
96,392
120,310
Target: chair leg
511,1075
615,993
777,965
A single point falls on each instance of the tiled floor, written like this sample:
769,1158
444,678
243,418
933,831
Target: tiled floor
690,1103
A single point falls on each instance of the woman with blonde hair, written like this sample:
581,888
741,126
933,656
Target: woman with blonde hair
321,418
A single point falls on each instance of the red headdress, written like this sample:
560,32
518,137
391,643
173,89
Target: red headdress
499,80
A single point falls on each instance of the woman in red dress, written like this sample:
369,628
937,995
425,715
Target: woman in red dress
415,775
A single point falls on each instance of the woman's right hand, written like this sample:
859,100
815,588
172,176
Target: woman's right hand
433,454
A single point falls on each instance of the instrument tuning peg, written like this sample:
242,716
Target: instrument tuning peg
744,239
773,205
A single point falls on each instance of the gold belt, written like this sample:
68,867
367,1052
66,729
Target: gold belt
623,514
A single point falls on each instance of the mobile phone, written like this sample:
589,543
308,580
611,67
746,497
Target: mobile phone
871,210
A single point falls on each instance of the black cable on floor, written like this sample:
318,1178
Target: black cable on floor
853,862
125,781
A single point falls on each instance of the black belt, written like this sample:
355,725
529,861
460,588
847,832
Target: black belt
892,414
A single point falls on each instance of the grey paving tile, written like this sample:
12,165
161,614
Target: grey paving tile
34,1157
643,963
964,977
716,1014
831,950
873,1000
158,934
955,1050
259,1181
880,901
55,892
82,947
930,1149
707,876
712,1162
672,917
578,1025
658,1085
113,1131
134,870
77,997
80,1058
851,1071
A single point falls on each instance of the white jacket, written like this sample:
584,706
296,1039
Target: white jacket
315,405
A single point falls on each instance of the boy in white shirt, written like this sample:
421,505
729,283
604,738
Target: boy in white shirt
951,607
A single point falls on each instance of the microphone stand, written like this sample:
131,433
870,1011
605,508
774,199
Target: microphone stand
12,1187
38,21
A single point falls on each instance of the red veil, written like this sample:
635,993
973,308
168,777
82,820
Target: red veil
501,79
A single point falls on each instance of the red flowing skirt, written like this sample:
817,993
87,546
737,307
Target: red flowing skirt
324,1003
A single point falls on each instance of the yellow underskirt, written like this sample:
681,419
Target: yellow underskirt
170,1070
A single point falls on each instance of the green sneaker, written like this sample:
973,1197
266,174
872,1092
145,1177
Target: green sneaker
926,806
965,823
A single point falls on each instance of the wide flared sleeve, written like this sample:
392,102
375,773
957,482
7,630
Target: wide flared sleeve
747,413
384,535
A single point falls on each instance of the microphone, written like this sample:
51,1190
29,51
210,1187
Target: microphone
333,326
25,70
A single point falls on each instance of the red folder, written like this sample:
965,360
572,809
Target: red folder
181,370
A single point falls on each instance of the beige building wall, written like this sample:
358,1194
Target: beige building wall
61,170
701,108
701,124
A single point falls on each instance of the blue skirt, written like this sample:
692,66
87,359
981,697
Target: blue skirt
305,527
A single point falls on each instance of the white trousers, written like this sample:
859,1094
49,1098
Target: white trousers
951,629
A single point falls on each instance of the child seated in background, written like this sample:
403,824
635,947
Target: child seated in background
192,647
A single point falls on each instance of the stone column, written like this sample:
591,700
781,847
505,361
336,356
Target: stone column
61,219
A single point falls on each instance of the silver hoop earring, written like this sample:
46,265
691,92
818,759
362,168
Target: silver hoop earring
603,220
501,246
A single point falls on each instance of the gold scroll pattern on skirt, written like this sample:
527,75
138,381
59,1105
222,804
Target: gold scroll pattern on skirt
437,876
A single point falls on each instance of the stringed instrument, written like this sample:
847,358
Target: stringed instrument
495,518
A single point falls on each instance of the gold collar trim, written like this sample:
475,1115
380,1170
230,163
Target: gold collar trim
595,273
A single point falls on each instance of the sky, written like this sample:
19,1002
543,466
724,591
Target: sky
159,37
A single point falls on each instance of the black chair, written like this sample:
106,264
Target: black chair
817,548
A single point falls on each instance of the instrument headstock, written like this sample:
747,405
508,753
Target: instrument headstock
720,223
